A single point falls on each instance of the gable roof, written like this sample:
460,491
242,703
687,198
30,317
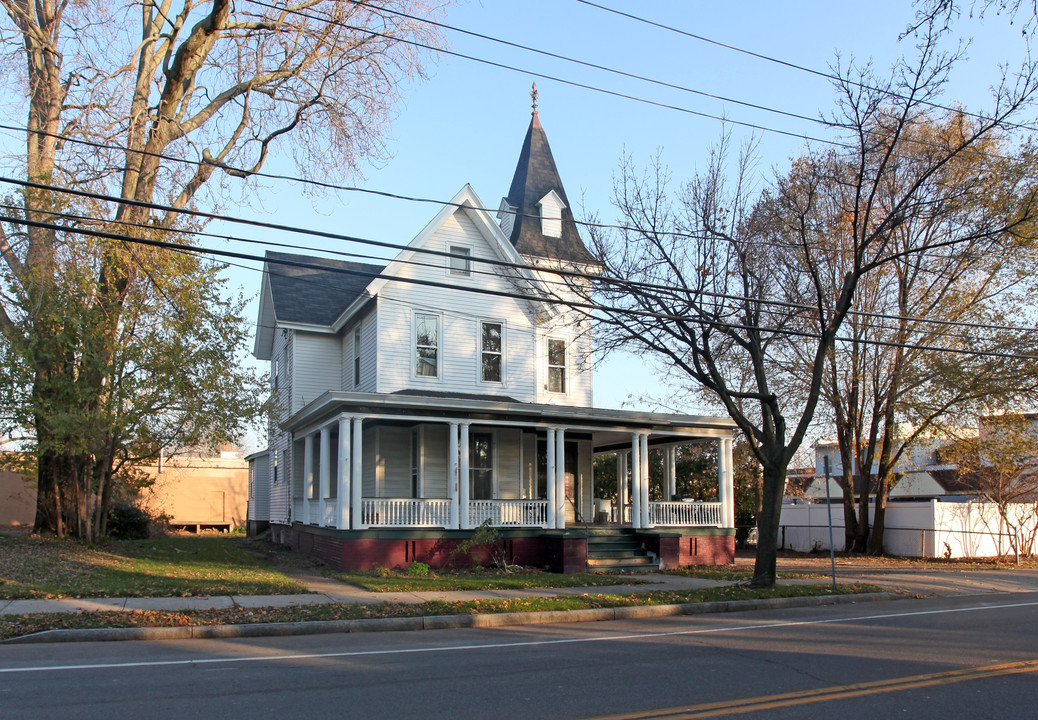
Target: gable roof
536,176
314,295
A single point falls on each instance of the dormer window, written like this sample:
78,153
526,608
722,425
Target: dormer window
551,206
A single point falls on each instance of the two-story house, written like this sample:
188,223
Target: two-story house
452,387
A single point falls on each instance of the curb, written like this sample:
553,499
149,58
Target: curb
436,622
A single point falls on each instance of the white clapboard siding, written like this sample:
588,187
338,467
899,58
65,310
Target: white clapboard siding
259,488
369,454
368,355
317,367
460,314
279,441
434,460
395,462
530,466
509,467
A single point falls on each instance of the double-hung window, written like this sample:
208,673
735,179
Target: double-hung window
427,343
481,466
491,351
460,265
556,365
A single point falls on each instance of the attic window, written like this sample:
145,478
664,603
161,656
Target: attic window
460,265
551,214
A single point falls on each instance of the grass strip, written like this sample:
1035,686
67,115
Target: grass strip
16,625
178,566
734,573
520,580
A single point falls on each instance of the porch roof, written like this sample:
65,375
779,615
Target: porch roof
438,408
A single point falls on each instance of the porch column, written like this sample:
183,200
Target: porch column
560,476
643,457
356,476
342,475
621,486
452,475
324,474
726,482
670,463
552,486
464,480
308,476
636,482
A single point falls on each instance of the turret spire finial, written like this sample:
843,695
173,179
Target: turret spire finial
534,95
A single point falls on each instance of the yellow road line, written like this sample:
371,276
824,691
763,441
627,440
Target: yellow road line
840,692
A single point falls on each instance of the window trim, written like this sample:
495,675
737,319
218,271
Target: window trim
492,434
414,345
456,266
564,366
480,351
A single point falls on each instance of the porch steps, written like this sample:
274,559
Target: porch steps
616,549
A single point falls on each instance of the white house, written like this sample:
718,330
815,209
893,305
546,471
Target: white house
452,387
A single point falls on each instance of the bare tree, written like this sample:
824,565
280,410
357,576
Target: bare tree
953,282
1000,463
116,95
729,287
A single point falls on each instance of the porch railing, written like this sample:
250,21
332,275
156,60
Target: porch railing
405,512
685,514
509,513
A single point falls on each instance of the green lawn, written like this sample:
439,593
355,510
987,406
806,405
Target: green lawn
180,566
486,580
733,573
14,625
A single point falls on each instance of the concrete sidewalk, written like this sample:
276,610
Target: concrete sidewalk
325,591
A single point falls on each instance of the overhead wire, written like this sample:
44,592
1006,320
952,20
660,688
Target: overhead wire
794,66
588,307
561,272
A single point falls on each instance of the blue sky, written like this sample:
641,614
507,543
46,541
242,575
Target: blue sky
465,123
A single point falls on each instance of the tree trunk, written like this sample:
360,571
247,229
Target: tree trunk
774,485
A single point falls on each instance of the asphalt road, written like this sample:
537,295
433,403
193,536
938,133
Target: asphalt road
954,657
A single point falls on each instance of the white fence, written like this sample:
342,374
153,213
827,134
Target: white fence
405,512
509,513
685,514
913,529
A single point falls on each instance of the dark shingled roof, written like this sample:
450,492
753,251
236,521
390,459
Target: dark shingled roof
315,296
536,176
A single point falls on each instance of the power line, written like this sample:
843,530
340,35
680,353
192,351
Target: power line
554,78
583,63
588,307
801,68
579,275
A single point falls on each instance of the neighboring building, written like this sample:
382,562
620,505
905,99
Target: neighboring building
17,500
446,389
919,474
191,490
199,491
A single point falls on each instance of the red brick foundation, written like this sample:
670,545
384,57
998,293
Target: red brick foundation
365,550
676,550
555,550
